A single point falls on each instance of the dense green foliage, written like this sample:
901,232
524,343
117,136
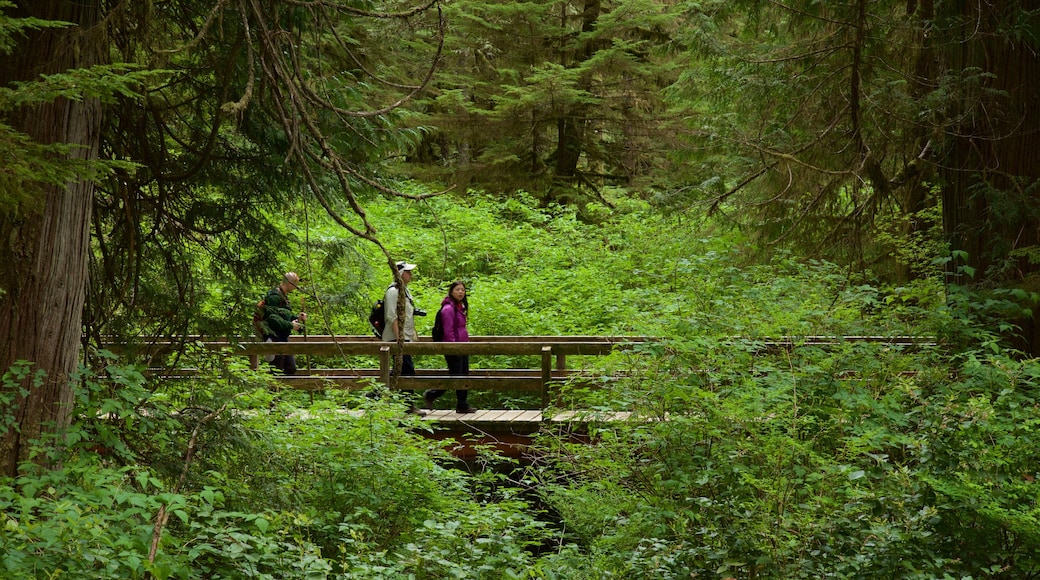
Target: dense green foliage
256,141
861,460
557,98
820,126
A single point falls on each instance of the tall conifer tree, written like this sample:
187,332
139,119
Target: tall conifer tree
550,96
256,96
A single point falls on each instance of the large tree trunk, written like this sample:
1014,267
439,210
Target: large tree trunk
43,275
991,171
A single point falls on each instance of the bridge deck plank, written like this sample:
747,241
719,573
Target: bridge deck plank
492,415
529,416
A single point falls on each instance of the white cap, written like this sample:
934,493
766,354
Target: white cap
405,266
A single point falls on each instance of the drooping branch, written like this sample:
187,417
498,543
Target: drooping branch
332,5
307,91
297,105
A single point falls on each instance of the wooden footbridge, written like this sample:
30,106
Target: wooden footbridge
509,430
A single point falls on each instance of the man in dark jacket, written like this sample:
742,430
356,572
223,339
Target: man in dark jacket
279,320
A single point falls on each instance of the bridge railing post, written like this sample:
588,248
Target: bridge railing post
384,364
546,374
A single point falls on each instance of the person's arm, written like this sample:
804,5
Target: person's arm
449,323
276,313
390,308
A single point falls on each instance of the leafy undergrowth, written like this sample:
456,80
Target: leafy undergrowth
848,460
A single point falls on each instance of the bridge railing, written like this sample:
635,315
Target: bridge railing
552,351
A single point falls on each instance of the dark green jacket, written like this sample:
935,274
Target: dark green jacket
278,318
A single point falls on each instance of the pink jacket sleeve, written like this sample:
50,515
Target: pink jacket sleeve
449,322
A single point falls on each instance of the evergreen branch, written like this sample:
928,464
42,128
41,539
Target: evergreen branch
415,90
201,35
336,6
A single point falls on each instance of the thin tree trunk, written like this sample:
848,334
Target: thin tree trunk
570,127
44,273
919,174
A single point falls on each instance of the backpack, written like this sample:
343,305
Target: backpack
438,327
258,316
377,317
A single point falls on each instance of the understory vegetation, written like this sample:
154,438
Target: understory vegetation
853,459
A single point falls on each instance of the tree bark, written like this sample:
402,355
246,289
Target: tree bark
570,127
43,275
991,173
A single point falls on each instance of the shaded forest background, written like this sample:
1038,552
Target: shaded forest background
696,171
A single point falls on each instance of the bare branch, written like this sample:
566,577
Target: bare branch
189,455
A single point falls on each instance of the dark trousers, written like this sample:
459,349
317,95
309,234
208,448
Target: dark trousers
407,370
458,366
283,362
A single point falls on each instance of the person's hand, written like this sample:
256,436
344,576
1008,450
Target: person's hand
296,325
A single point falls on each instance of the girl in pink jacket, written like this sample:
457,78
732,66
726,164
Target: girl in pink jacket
452,315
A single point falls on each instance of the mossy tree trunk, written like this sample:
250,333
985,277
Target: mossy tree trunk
45,241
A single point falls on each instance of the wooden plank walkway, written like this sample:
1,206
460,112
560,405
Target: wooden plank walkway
509,432
515,416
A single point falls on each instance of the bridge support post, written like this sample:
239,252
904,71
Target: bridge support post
546,374
384,364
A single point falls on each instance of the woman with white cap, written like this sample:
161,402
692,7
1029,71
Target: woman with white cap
392,331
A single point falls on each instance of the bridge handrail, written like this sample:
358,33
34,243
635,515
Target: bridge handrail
545,347
352,345
368,338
